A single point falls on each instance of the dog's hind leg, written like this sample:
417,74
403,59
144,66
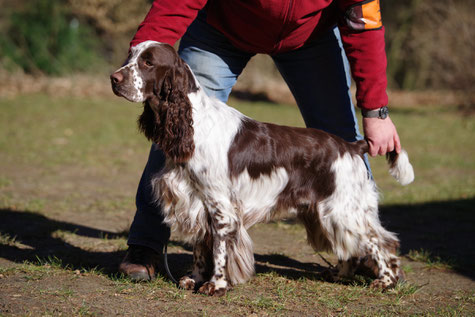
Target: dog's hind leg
381,258
374,256
349,220
372,251
366,247
308,216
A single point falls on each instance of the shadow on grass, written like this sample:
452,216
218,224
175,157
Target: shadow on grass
35,232
445,229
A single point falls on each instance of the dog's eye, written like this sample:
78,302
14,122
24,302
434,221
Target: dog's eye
148,64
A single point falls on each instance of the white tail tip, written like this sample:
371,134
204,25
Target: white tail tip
402,169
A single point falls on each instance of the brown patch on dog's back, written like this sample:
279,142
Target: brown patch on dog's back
306,155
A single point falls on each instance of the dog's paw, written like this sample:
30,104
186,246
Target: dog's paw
209,288
382,284
187,282
329,275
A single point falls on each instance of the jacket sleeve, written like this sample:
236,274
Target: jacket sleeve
167,20
362,34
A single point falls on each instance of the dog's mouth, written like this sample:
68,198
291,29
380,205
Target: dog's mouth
117,89
122,91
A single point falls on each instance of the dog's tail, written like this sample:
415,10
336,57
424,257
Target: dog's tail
399,166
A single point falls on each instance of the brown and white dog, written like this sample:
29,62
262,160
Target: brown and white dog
226,172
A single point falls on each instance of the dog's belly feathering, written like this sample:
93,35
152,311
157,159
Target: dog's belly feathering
257,197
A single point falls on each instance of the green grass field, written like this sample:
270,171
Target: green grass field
68,174
49,133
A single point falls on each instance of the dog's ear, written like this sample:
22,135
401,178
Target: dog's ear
148,121
167,117
184,79
172,74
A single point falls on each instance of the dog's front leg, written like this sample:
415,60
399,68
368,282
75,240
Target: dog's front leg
223,227
202,264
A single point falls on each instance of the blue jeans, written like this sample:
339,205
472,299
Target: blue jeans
317,74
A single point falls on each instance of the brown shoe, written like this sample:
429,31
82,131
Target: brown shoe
140,263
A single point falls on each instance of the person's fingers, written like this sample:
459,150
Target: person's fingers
381,135
390,147
397,142
373,150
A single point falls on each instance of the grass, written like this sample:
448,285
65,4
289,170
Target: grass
101,134
431,261
68,176
6,239
69,130
267,294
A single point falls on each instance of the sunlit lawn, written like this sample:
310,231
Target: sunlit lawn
47,133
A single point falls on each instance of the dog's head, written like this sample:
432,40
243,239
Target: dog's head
155,75
151,70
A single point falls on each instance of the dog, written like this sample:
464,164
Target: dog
225,172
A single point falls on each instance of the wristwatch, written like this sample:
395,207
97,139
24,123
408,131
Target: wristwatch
381,113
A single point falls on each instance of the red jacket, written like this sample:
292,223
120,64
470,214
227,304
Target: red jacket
273,26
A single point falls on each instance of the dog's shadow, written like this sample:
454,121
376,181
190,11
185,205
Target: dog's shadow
180,264
30,236
444,229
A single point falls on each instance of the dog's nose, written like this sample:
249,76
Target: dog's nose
117,77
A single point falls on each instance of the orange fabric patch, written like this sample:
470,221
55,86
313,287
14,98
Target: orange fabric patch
372,15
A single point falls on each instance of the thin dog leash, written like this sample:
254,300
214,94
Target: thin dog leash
165,263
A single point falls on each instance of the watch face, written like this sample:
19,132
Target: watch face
383,112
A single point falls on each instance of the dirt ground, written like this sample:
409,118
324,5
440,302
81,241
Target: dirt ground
65,264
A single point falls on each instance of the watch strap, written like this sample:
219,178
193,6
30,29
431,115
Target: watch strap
380,113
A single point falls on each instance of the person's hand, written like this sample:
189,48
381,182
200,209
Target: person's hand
381,135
